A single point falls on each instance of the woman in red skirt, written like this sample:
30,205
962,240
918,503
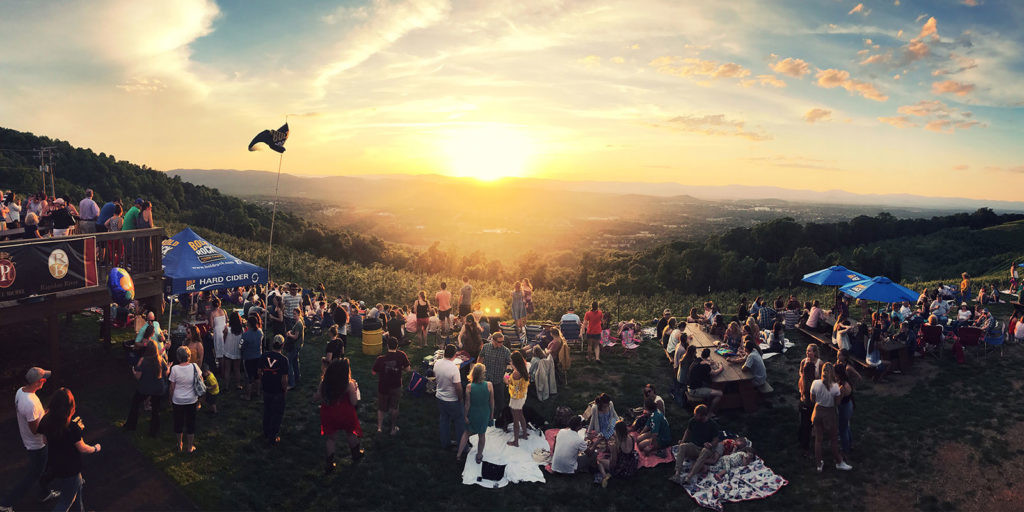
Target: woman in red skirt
339,393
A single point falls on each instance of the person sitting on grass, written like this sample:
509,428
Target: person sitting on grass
623,458
479,411
699,444
777,339
740,456
649,393
656,436
752,329
572,454
212,389
699,384
602,416
518,384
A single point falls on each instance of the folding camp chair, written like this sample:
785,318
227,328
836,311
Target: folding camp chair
533,333
931,335
629,344
571,333
511,335
970,337
996,337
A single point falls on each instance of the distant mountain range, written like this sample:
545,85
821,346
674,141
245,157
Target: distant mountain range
337,188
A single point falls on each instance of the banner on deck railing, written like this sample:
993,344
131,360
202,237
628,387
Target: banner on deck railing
47,266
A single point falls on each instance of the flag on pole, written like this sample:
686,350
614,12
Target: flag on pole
274,139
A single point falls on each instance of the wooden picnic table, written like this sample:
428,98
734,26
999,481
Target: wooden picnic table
735,383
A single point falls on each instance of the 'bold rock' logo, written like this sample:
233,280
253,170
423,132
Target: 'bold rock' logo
58,264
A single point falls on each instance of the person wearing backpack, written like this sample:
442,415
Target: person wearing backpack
186,387
389,368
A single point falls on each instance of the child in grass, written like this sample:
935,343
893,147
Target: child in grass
212,388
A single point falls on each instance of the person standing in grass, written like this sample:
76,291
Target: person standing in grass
184,399
479,410
444,302
274,381
592,321
294,339
449,397
496,358
466,298
518,308
389,368
149,374
29,411
422,316
825,392
518,384
810,366
63,432
339,395
252,348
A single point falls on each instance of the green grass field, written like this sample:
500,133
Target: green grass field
905,432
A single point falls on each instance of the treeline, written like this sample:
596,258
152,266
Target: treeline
173,200
769,255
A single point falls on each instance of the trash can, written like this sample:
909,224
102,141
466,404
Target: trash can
372,341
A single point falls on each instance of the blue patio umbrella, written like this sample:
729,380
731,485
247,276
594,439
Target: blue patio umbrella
881,289
836,275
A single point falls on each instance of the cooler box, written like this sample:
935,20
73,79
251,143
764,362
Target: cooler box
372,341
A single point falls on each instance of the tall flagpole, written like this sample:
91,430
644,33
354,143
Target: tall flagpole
273,214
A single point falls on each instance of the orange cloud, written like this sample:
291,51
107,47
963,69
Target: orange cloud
859,8
792,67
765,80
817,114
716,124
951,87
923,108
831,78
940,125
898,121
692,66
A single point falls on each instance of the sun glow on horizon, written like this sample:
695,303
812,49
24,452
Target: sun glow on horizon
488,152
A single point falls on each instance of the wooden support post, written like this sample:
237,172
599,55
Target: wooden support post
53,333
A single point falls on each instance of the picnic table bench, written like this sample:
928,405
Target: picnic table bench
736,384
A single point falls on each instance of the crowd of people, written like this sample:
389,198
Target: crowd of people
248,340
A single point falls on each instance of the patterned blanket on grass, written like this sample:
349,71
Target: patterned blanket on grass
754,481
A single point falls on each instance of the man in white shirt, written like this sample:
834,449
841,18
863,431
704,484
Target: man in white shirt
449,397
88,212
571,316
29,411
572,454
939,308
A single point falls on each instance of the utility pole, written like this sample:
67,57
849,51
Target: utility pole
46,166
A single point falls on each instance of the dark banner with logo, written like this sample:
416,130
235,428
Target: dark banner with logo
47,266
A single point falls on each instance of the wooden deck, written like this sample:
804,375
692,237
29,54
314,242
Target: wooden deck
147,276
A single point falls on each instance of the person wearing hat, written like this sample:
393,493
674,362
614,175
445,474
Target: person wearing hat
62,218
663,322
29,410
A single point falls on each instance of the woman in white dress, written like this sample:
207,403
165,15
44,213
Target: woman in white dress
233,352
218,329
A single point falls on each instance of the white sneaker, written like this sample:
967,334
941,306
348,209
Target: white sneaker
821,465
843,466
52,495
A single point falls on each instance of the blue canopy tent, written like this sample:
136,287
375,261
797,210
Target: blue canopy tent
192,264
880,289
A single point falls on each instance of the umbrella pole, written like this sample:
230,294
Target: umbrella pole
170,311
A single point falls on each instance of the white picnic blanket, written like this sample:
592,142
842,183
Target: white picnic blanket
518,461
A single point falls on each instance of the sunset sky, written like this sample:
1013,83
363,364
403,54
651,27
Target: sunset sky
906,96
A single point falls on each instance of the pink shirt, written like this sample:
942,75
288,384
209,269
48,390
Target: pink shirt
444,300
